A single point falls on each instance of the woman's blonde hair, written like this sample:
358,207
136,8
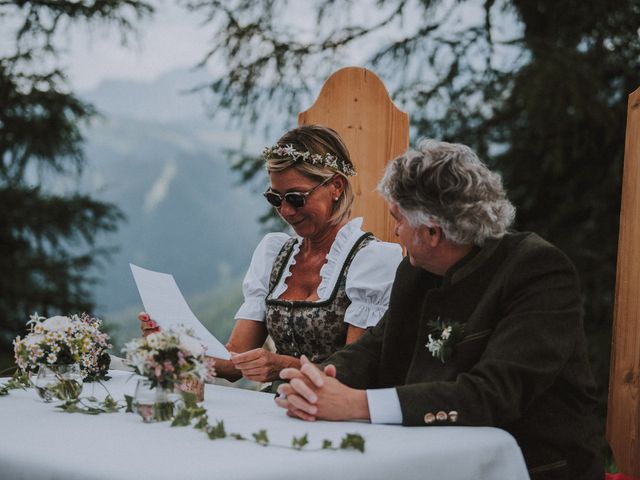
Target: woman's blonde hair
316,139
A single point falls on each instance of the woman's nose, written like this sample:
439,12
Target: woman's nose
286,210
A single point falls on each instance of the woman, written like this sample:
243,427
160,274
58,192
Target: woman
320,289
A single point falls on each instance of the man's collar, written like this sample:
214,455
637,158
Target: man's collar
470,262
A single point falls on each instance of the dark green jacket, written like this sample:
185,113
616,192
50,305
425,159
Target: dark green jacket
521,365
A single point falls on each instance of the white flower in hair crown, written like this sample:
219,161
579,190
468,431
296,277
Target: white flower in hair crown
325,160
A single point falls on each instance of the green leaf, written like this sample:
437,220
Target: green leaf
75,406
299,442
182,419
218,431
237,436
129,400
353,441
197,411
202,423
190,399
327,444
110,405
261,438
19,379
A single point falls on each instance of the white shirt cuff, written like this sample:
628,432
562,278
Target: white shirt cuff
384,406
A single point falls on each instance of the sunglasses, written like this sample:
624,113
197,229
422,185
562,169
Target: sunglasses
295,199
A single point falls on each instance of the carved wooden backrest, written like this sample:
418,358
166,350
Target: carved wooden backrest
355,103
623,417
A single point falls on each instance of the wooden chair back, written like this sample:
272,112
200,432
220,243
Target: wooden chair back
354,102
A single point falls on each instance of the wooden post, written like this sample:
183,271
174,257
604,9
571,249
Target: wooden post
354,102
623,417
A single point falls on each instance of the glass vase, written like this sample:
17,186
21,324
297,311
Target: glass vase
155,404
61,382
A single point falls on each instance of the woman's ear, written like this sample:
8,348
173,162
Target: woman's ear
337,185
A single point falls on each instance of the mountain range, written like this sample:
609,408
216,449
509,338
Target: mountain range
154,153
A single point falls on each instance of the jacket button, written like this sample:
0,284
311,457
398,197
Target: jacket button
429,418
441,416
453,416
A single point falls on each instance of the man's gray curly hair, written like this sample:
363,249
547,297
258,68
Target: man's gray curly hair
446,185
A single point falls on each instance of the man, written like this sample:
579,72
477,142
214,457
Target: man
484,327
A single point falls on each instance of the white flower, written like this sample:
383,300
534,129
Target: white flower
33,339
131,345
202,371
434,346
446,333
137,361
57,323
191,344
154,340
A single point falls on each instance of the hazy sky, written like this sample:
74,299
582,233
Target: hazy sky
168,40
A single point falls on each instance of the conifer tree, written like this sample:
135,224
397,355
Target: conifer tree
48,238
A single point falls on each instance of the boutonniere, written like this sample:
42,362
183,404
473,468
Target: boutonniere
441,344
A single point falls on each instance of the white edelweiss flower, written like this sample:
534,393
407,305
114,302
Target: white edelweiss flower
57,323
191,344
434,346
51,358
446,333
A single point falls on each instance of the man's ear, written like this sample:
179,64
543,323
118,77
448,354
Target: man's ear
433,236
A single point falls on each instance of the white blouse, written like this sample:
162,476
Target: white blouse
368,283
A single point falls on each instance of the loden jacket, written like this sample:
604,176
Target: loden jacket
521,364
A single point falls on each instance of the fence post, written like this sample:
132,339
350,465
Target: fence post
623,416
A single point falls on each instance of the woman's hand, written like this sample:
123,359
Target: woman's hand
147,325
261,365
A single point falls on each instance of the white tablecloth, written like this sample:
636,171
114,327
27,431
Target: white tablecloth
38,441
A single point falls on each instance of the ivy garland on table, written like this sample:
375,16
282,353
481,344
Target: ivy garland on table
20,379
191,411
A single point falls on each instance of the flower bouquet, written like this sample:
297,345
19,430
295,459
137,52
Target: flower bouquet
64,351
169,360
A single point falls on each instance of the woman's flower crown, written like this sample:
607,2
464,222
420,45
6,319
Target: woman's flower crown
325,160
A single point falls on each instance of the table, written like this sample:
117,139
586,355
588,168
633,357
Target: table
38,441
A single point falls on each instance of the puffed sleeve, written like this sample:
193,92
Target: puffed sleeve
369,281
255,285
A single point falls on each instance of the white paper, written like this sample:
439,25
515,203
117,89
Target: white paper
166,305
